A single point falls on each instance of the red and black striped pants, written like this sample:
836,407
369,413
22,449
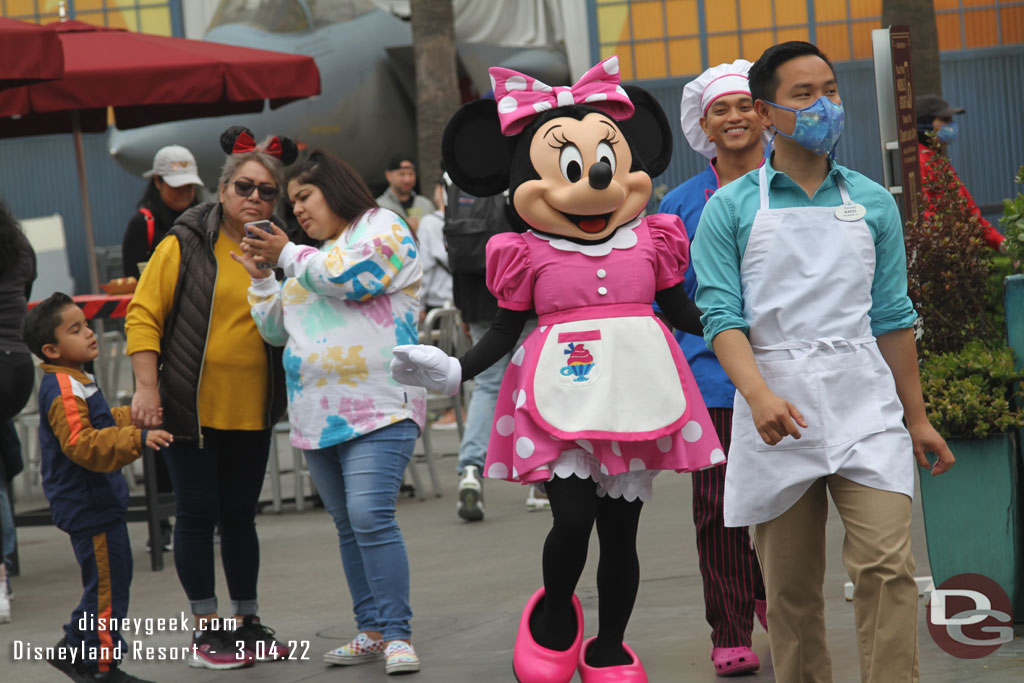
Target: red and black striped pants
728,563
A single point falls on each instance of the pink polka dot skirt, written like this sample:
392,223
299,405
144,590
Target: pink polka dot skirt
521,450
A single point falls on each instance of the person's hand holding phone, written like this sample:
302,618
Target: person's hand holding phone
249,263
263,243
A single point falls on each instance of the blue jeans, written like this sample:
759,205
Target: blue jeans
358,482
8,535
480,414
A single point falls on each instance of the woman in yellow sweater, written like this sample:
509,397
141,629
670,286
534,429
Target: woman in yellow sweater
203,373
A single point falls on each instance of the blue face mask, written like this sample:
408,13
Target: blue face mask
818,126
948,133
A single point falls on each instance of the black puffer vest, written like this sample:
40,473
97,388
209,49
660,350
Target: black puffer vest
186,330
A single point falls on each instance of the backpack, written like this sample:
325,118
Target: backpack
469,222
150,228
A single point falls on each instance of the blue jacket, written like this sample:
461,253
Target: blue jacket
687,201
84,445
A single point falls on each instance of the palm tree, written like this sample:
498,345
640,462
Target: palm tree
919,15
437,90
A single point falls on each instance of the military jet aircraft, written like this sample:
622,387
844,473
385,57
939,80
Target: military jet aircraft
366,111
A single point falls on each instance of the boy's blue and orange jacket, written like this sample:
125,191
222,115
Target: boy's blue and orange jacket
84,445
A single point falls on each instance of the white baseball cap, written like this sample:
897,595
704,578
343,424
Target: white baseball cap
175,165
701,92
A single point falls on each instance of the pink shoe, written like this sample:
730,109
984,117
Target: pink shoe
533,663
730,661
626,673
761,611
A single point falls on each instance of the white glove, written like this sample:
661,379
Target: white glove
419,365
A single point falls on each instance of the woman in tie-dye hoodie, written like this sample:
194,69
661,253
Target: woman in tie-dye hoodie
339,312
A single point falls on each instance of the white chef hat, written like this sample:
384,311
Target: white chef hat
724,79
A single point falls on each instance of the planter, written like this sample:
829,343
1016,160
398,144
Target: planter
972,515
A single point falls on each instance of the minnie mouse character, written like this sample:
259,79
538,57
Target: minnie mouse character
599,398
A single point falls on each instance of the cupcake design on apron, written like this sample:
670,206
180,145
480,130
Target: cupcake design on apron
580,361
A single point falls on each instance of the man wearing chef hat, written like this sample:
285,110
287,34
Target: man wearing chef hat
719,122
803,288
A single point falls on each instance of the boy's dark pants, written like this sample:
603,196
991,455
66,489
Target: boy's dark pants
106,563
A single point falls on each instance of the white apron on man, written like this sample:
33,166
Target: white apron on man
806,279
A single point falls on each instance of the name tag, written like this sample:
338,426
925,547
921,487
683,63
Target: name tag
851,212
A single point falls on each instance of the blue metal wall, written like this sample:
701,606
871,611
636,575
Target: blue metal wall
988,83
37,175
38,178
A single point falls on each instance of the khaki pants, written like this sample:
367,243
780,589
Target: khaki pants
876,552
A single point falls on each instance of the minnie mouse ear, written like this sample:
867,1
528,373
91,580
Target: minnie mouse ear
228,137
475,153
289,150
648,131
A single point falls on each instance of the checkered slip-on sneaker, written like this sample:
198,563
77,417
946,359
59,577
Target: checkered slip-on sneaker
401,658
361,649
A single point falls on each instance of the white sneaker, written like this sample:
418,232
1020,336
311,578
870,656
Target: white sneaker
537,500
5,606
400,658
471,495
360,649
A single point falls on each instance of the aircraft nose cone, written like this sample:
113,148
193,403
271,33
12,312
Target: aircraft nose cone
600,175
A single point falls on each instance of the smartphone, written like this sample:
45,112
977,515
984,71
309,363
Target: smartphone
250,229
265,226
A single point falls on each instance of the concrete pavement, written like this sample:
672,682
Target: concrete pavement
469,583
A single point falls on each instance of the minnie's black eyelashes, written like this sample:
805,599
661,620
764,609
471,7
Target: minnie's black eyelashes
561,140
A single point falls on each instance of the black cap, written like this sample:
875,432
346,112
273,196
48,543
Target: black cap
396,162
932,106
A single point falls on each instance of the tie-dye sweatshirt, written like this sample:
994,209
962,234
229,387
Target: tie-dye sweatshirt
339,312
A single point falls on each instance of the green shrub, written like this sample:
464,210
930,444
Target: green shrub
948,266
1013,221
971,393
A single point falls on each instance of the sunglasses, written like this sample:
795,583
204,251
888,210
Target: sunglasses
244,188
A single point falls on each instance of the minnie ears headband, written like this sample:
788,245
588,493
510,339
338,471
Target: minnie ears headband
239,140
521,98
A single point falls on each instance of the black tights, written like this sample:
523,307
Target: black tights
575,506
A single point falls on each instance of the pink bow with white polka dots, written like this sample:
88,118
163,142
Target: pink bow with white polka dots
521,97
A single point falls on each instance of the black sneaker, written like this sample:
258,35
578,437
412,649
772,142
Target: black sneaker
62,662
116,675
259,640
217,649
471,495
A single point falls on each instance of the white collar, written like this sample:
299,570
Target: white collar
624,238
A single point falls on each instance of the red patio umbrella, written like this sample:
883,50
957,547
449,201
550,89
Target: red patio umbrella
28,53
148,79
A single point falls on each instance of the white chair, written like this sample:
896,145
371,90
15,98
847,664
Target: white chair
27,424
46,235
299,471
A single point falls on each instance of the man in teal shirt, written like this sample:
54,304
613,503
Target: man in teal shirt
802,280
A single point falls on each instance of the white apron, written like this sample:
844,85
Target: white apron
608,378
806,280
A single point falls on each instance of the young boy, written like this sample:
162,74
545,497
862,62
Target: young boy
802,279
84,444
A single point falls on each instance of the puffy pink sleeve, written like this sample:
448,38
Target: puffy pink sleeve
509,271
671,248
